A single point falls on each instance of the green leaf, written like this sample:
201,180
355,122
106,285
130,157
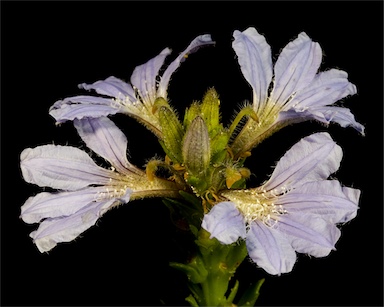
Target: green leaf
250,296
191,300
195,270
232,293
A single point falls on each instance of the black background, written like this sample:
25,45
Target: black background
48,48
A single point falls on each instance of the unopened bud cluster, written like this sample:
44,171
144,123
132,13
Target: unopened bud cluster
197,149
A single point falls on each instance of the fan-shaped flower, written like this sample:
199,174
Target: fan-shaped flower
297,209
135,99
291,91
87,190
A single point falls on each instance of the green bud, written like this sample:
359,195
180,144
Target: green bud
210,111
172,133
191,113
196,147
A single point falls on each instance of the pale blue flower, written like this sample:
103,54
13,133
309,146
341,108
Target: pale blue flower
292,90
135,98
296,210
87,190
299,91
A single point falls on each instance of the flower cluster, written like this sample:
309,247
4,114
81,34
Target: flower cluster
298,209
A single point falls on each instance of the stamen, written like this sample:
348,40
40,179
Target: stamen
258,205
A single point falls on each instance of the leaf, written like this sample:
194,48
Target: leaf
251,295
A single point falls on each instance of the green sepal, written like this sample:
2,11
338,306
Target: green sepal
172,133
240,184
191,198
251,295
167,151
219,157
198,183
219,143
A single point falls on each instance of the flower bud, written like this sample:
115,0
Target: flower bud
196,147
172,133
210,111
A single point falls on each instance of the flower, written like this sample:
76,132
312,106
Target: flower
291,91
87,190
135,100
297,209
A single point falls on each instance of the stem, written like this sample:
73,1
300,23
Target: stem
221,262
211,270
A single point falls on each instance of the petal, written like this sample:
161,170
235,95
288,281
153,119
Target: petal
144,76
106,139
327,88
66,229
254,56
309,233
342,116
51,205
269,249
83,106
313,158
112,87
295,68
198,42
327,198
61,167
312,102
326,115
225,223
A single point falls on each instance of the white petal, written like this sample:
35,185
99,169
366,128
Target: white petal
225,223
327,199
198,42
313,158
66,229
106,139
144,76
309,233
269,249
61,167
51,205
295,68
254,56
112,87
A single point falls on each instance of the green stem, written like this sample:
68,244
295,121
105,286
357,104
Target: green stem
220,262
211,270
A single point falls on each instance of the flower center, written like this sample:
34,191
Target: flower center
114,189
256,205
